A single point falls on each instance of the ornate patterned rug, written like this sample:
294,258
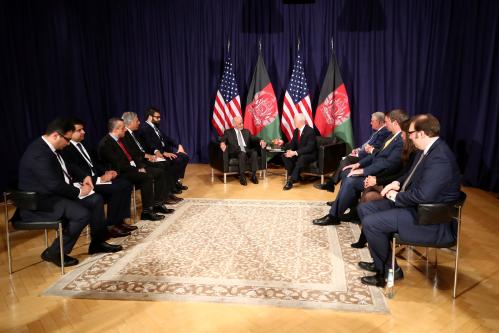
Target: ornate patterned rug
235,251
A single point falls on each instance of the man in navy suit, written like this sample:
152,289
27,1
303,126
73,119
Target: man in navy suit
353,175
433,178
375,142
116,191
62,194
239,141
164,146
300,151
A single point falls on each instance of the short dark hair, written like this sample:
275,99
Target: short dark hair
151,111
78,121
113,123
398,115
60,125
427,123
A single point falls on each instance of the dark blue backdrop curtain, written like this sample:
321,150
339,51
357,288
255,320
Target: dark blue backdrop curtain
96,59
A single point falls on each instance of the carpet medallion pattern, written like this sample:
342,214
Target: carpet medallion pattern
235,251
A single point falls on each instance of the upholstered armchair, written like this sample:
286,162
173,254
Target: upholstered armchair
221,161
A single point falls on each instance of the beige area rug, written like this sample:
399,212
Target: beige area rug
233,251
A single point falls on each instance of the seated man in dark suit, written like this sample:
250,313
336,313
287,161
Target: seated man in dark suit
433,178
113,151
300,151
44,171
137,147
353,175
164,146
375,142
115,191
239,141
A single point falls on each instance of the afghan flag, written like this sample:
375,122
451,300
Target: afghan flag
332,116
261,116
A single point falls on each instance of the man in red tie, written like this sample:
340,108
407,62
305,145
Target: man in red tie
300,151
151,182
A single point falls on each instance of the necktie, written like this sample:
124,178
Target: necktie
299,136
158,133
408,179
387,142
120,142
240,140
137,142
67,176
86,157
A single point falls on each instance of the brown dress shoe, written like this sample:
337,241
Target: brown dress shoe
116,231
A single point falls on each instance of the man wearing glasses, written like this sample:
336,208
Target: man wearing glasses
164,146
63,193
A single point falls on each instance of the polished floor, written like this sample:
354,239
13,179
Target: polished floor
422,303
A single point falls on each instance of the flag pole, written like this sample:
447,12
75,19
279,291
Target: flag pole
260,44
332,44
228,45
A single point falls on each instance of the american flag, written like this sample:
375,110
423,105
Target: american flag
227,103
296,99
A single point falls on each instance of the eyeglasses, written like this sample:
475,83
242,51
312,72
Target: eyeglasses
156,117
62,135
410,132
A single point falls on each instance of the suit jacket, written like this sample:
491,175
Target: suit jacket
73,156
153,142
230,138
435,180
384,158
307,143
376,140
41,172
111,153
134,149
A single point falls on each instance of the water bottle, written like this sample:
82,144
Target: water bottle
389,284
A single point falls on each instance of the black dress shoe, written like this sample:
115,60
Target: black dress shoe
288,186
115,232
103,248
162,209
175,198
351,216
367,266
324,187
150,216
361,242
326,220
243,181
176,190
377,280
329,203
254,179
56,259
181,186
128,227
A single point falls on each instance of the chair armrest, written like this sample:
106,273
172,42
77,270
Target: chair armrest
330,156
218,159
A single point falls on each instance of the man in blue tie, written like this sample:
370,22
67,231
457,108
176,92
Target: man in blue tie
353,175
375,142
433,178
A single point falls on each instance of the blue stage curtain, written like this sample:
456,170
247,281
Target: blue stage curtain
97,59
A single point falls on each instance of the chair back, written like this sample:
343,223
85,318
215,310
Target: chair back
441,212
24,200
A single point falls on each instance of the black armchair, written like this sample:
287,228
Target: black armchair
28,200
437,214
221,161
329,154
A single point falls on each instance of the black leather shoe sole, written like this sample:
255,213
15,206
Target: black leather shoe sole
358,245
151,217
374,280
326,220
320,186
288,186
367,266
163,210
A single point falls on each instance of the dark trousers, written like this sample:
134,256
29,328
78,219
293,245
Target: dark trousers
337,173
151,184
243,157
381,218
168,175
178,165
350,190
76,215
295,164
117,195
